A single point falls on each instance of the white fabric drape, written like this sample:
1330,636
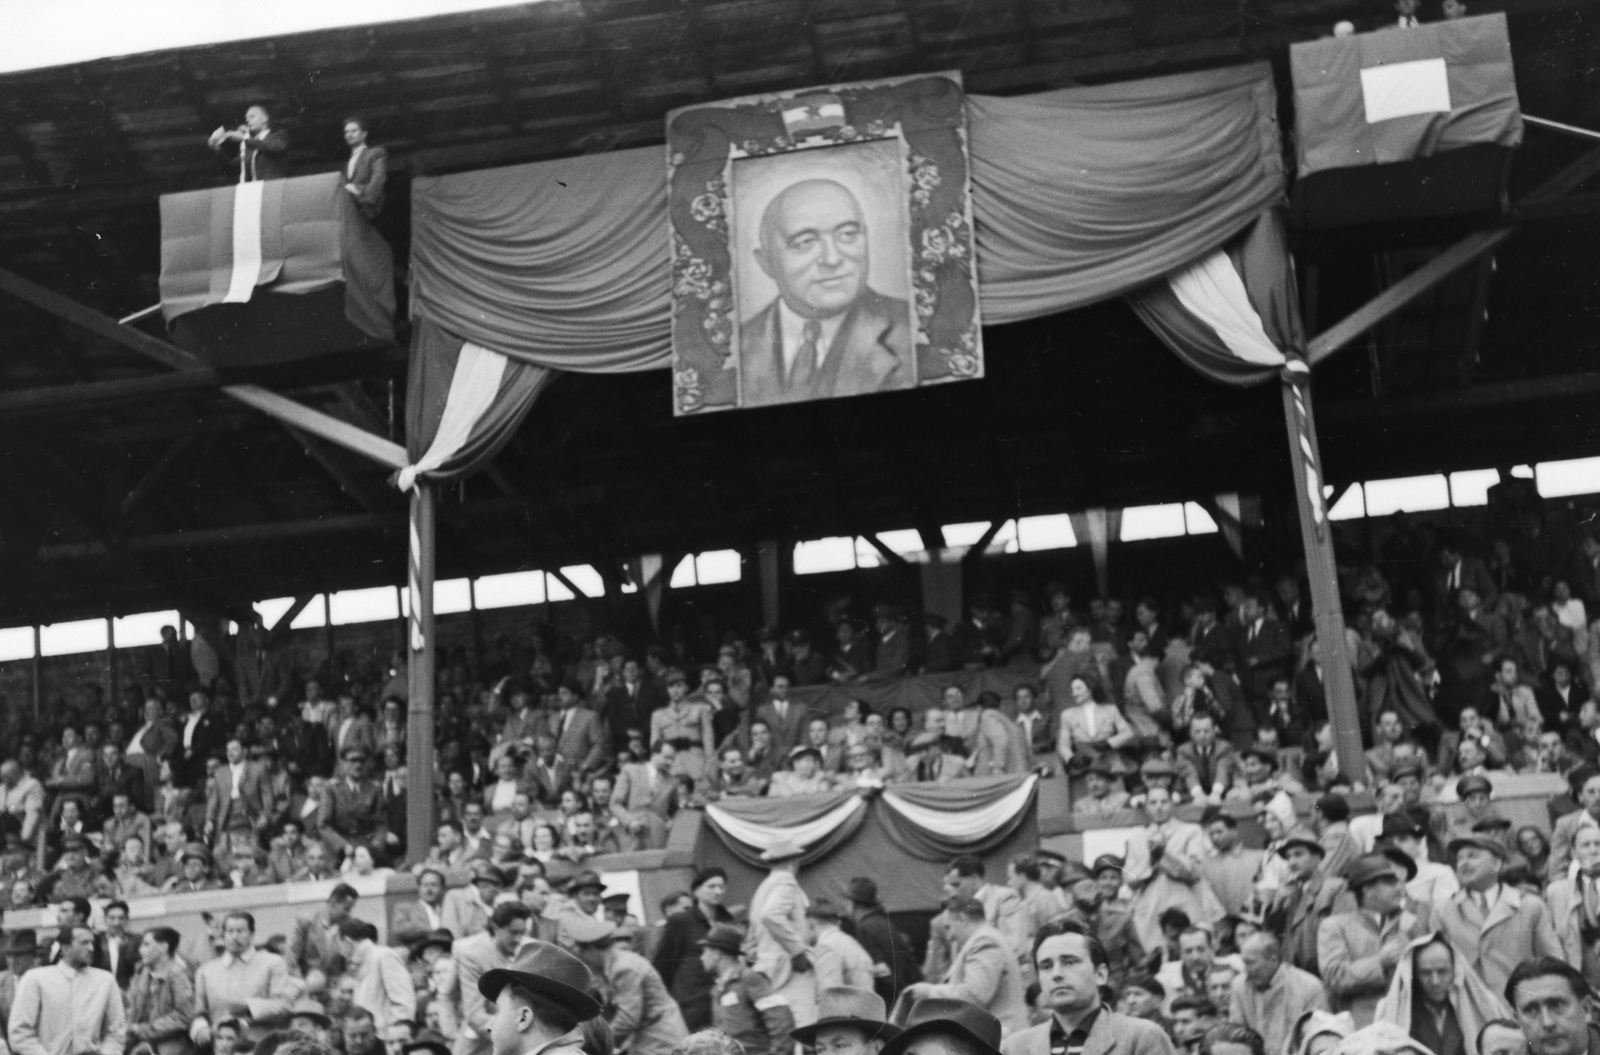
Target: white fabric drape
762,836
246,242
967,824
473,386
1212,291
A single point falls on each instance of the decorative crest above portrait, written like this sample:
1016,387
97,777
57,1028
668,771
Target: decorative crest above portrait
822,244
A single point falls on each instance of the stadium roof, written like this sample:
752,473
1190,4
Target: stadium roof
164,492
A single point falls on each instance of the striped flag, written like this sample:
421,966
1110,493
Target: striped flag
464,403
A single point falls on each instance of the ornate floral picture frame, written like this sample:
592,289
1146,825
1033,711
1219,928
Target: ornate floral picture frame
822,244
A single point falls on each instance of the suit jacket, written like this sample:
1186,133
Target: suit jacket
306,747
1349,948
264,158
313,946
1264,658
871,352
1111,1034
464,912
1517,928
985,972
582,740
892,657
1071,722
253,804
1450,745
127,779
1212,774
411,922
633,793
1474,573
355,813
210,737
1566,915
788,731
1303,911
474,956
127,949
372,171
1448,1042
547,784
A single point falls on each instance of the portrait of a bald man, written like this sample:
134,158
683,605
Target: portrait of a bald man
827,332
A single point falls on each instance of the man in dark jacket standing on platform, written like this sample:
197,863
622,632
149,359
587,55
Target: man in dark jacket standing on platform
677,956
260,153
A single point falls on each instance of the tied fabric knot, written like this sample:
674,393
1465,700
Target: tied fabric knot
1295,370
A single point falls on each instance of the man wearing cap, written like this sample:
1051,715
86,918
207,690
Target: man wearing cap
1260,773
1358,951
776,944
840,960
478,957
1105,796
1492,926
1474,791
984,970
1433,880
195,860
892,957
1307,897
243,982
1109,923
684,724
744,1004
538,1002
1071,968
352,810
643,1017
313,952
677,957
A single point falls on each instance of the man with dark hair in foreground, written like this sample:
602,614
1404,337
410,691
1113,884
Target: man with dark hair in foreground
1072,968
1552,1003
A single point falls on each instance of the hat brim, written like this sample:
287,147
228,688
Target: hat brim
703,944
1314,847
316,1016
426,1045
1403,859
899,1044
1487,845
577,1001
430,943
807,1035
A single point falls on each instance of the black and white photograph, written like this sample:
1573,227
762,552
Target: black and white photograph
799,527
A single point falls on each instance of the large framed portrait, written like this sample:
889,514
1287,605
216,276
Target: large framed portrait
822,244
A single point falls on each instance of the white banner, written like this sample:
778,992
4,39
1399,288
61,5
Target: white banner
761,836
968,825
246,242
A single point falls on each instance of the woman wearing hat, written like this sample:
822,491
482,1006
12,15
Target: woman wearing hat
677,958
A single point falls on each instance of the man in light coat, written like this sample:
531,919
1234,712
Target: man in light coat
1492,926
776,943
1272,995
643,1017
840,960
1002,906
1071,968
1357,952
493,949
984,971
1575,905
383,979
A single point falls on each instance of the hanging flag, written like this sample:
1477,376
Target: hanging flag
464,402
1402,94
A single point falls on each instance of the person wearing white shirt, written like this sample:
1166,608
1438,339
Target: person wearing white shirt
69,1007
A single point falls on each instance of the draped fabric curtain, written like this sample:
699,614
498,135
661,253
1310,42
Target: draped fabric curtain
1078,195
928,822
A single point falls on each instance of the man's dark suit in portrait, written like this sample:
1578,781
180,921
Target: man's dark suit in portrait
253,150
827,333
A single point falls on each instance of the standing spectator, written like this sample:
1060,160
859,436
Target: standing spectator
1164,868
539,1001
1493,927
242,980
1308,896
467,909
313,952
202,735
70,1007
643,1018
383,981
1109,922
891,952
121,950
775,945
238,804
367,170
580,738
1072,972
744,1004
677,957
161,996
21,800
476,957
1272,995
1232,870
644,793
1264,651
685,726
1358,951
839,959
984,970
785,719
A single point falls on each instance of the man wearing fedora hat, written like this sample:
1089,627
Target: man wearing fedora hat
643,1017
538,1001
776,944
850,1021
478,956
1358,951
1072,968
1492,926
744,1004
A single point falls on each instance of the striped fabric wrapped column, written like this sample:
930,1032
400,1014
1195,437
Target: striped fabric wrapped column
420,821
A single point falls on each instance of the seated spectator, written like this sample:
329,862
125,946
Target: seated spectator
1089,729
1105,792
804,777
